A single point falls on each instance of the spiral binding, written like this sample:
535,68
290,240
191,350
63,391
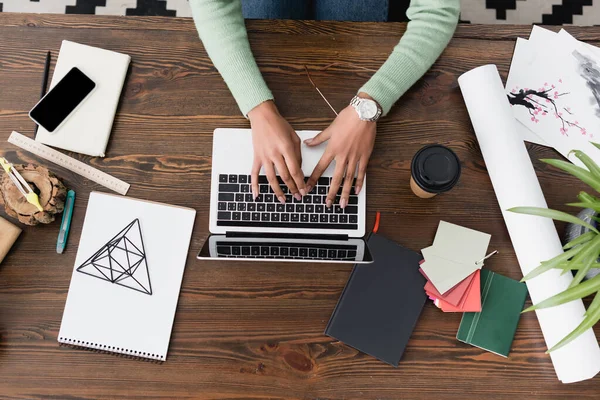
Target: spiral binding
118,351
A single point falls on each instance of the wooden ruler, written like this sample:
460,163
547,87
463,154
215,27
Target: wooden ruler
69,163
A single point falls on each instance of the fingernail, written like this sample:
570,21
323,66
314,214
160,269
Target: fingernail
343,202
254,195
297,196
281,199
357,190
308,188
308,141
329,203
303,192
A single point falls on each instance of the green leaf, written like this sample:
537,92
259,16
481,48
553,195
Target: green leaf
574,266
587,255
586,237
587,198
590,254
584,257
593,304
596,144
582,290
586,250
593,206
546,265
554,214
588,162
589,321
581,272
578,172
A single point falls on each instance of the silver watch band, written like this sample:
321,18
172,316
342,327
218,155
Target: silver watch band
355,103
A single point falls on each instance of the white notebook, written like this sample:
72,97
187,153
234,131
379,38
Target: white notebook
88,128
127,276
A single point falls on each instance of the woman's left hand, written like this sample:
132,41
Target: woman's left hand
350,144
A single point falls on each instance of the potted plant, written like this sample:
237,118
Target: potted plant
581,254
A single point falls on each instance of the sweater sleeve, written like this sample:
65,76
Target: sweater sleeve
432,24
221,28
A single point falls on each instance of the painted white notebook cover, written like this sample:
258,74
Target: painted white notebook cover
88,128
127,276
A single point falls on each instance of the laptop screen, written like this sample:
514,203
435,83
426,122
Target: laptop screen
286,249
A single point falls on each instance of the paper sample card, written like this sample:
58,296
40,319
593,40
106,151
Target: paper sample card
460,244
471,300
454,255
444,274
452,296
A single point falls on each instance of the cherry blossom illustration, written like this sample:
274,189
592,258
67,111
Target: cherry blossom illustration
546,101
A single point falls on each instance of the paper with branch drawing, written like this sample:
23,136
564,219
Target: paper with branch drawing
549,91
518,64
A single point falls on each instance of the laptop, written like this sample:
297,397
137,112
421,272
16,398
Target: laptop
264,229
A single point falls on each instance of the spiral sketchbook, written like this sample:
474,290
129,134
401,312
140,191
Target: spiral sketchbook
127,276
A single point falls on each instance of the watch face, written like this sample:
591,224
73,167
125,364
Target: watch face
367,109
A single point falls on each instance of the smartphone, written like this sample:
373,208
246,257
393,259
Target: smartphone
60,102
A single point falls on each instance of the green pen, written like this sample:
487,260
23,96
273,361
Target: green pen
63,235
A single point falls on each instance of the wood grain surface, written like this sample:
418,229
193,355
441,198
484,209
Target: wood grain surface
256,331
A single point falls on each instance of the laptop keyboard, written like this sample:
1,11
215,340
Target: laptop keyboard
296,251
236,207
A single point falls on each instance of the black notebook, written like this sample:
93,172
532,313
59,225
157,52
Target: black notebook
381,302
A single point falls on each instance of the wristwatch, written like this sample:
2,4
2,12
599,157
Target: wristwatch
367,109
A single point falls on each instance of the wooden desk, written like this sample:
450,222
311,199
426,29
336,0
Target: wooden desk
256,331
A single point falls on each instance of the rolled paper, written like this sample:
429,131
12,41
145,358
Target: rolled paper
8,235
534,238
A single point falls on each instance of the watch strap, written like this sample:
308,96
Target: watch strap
355,103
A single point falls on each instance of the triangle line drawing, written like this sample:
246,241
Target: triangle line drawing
129,251
135,266
119,272
119,250
99,270
110,260
131,243
96,254
103,257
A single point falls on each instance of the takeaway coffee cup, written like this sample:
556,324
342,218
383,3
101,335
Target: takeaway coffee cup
434,169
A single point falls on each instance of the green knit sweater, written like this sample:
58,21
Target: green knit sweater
221,28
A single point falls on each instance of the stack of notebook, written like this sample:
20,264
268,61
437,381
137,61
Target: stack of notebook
382,302
452,267
456,282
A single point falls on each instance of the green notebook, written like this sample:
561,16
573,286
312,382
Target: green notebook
493,329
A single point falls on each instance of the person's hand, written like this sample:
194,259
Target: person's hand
350,145
276,147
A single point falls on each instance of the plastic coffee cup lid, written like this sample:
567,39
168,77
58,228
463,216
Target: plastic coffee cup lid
435,168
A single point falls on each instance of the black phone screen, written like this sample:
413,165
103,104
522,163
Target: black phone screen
62,99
